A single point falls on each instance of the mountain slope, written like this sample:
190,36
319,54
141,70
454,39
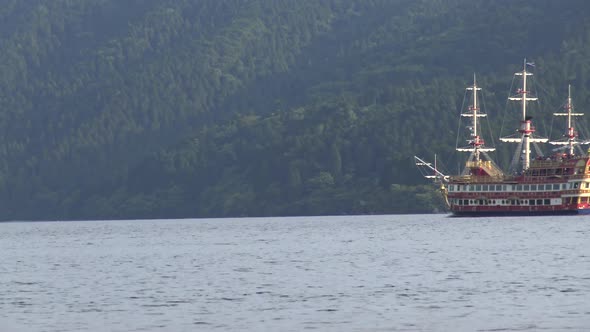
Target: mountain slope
228,108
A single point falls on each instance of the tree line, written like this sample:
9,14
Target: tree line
178,108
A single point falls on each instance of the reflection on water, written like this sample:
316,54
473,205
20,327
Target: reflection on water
378,273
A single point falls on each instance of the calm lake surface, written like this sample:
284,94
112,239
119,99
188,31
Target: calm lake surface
364,273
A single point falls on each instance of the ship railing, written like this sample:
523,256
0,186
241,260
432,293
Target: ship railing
476,179
487,165
545,163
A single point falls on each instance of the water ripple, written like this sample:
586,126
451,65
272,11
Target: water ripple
378,273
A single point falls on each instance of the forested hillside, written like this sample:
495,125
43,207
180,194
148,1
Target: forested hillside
215,108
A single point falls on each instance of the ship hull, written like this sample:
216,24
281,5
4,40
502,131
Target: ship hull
548,187
459,214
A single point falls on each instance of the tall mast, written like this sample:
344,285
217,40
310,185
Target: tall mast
571,135
526,129
475,142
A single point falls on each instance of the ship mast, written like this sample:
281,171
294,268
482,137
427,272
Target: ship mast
475,142
571,134
526,129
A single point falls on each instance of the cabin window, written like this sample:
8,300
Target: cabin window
526,187
471,187
534,187
539,202
564,186
576,185
556,186
498,187
484,187
478,187
519,187
531,202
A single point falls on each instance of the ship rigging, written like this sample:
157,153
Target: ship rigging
554,184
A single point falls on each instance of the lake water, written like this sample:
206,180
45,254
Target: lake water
363,273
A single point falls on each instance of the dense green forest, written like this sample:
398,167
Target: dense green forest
217,108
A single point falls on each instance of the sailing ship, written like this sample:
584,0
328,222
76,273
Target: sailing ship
545,185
